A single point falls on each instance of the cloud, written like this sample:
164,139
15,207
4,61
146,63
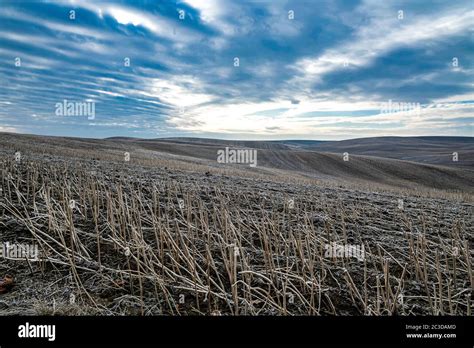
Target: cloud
180,92
8,129
214,13
378,38
323,73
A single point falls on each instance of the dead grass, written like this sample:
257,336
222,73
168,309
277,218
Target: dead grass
161,237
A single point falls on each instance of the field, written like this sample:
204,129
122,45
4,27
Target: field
158,227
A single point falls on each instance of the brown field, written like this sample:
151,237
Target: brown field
173,232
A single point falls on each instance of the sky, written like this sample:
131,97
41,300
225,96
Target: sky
299,69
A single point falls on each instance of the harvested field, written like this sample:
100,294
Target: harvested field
167,234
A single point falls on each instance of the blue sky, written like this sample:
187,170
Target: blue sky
306,69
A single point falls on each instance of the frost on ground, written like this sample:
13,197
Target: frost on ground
163,235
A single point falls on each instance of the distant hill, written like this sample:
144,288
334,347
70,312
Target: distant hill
327,164
429,149
388,160
434,150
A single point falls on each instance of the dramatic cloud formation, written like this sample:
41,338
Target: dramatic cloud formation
238,69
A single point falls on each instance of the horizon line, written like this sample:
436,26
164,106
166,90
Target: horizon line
248,140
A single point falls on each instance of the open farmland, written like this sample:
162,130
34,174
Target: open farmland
168,230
